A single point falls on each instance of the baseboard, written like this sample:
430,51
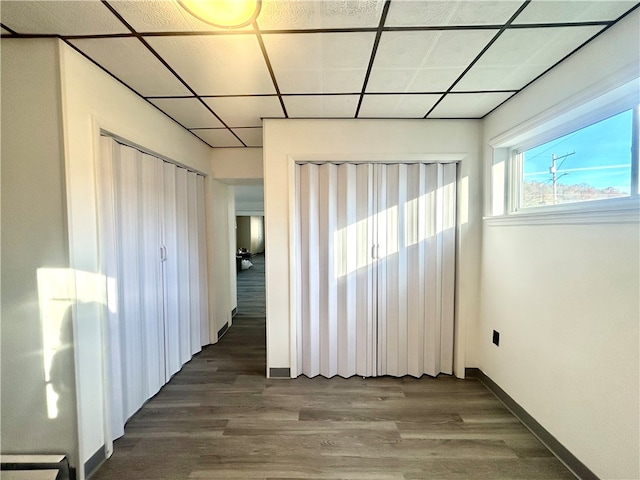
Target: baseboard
223,330
91,465
578,468
280,373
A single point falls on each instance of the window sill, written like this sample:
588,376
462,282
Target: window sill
610,212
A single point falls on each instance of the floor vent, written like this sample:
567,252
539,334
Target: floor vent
223,330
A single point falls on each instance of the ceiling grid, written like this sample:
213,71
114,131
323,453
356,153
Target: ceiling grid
320,58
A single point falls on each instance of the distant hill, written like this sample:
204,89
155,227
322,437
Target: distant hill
541,193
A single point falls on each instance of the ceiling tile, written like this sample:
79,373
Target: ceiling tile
468,105
424,61
130,61
518,56
217,64
405,13
161,16
187,111
396,106
4,31
554,11
322,106
66,17
245,111
252,137
218,137
304,14
320,62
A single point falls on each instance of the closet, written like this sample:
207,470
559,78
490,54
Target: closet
375,268
152,252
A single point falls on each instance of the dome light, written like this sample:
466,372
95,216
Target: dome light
223,13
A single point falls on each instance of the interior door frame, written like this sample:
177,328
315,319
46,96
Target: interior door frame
459,330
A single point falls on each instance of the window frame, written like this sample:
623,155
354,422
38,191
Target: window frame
577,113
515,171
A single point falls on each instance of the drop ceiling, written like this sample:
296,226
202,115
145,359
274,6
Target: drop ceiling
320,58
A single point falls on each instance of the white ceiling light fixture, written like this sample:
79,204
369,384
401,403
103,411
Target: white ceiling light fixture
223,13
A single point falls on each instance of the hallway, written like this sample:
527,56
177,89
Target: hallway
251,293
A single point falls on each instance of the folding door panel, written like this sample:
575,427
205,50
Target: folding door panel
334,270
202,260
126,166
408,260
193,261
354,270
447,195
109,267
150,256
173,359
182,256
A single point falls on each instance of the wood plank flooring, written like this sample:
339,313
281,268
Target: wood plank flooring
251,294
220,418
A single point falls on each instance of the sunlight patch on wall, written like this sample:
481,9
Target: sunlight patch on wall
58,290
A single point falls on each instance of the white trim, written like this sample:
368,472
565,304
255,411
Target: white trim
610,211
293,267
378,158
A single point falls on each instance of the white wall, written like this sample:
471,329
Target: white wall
566,298
237,164
33,237
219,247
91,101
288,140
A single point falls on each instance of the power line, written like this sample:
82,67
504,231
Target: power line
553,169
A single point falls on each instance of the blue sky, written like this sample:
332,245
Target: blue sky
602,155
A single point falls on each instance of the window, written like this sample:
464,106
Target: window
596,162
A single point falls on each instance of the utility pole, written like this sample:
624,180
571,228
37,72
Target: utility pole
553,169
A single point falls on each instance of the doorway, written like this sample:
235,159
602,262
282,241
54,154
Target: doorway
376,263
249,252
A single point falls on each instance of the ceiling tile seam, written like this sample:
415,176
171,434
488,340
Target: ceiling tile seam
482,52
595,23
323,94
442,28
99,36
168,67
625,14
374,50
129,87
611,24
565,57
222,128
31,35
267,61
296,31
183,97
10,30
423,28
475,92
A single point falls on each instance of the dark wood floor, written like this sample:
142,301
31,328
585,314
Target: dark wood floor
219,418
251,294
